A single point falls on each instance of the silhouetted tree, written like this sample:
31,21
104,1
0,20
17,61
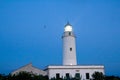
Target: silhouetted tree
2,77
112,78
29,76
98,76
26,76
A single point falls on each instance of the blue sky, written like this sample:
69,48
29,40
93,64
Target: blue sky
31,30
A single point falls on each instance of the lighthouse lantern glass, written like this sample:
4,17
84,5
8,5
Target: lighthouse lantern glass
68,28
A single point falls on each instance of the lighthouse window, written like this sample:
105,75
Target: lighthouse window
57,75
70,49
69,33
87,76
77,76
67,75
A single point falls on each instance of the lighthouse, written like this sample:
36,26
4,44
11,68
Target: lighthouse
70,69
69,46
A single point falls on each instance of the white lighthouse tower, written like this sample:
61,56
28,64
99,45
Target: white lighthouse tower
69,46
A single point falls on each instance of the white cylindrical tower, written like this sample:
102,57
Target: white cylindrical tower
69,46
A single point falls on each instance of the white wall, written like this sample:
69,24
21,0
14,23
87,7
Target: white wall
72,70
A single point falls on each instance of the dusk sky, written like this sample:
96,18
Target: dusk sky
31,30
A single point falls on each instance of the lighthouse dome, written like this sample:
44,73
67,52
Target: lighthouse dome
68,27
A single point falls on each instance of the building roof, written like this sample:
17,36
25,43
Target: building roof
31,69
